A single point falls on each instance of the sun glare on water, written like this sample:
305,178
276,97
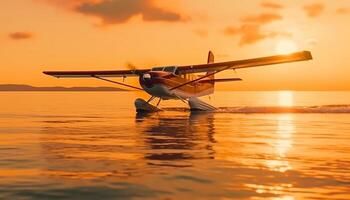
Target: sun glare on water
286,47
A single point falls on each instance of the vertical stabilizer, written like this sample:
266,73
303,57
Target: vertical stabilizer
211,60
210,57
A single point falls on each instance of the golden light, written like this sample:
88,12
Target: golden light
282,144
286,47
285,130
285,98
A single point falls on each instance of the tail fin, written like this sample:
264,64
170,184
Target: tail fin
210,57
210,60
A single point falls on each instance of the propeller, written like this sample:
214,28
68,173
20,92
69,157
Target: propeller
131,66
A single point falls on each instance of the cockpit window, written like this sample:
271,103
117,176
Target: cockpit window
169,69
172,69
157,69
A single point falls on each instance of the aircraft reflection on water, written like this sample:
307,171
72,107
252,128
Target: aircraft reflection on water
191,137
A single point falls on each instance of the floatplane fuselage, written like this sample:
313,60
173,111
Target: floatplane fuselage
184,83
160,83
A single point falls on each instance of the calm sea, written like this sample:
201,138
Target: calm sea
92,145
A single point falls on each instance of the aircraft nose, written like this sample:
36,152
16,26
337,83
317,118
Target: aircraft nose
146,80
147,76
153,77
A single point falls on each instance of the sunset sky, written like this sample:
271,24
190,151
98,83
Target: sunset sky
38,35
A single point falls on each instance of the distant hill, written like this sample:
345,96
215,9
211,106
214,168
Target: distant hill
20,87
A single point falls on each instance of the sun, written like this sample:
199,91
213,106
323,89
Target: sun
286,47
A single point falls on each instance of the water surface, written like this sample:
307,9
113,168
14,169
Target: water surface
92,145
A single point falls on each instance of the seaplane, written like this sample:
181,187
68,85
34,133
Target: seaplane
185,83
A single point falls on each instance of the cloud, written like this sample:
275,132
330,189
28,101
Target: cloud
314,10
343,10
20,35
263,18
120,11
271,5
251,32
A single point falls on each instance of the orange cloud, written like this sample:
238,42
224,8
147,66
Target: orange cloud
262,18
119,11
69,3
343,10
314,10
250,31
271,5
20,35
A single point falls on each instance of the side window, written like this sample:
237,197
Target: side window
157,69
169,69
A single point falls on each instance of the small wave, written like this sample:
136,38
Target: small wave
277,109
292,109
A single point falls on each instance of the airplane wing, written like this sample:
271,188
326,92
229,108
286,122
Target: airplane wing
92,74
210,67
239,64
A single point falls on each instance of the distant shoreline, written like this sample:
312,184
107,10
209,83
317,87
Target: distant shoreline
66,91
29,88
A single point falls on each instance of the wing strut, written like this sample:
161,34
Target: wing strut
200,78
123,84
